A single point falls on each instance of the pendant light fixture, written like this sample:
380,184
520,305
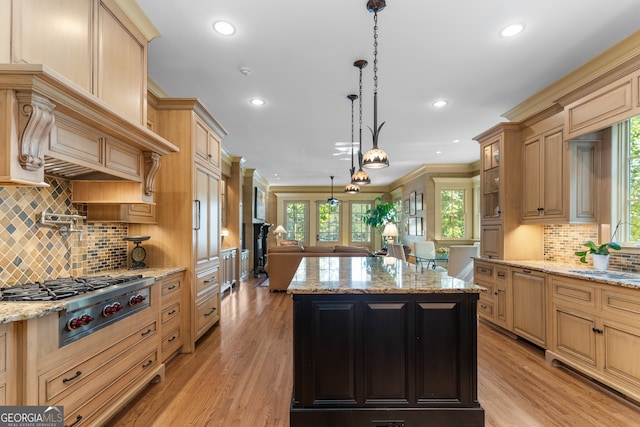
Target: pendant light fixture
332,201
360,177
375,158
352,188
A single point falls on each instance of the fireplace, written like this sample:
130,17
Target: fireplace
260,248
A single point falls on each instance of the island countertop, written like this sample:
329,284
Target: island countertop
372,275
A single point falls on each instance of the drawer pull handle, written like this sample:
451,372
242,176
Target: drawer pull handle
210,280
78,418
147,332
172,287
171,313
146,365
527,271
66,380
597,331
483,306
213,310
172,339
501,275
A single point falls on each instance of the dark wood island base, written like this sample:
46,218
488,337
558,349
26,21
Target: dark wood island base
392,358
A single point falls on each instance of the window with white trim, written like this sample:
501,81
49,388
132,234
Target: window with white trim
625,227
328,223
297,221
455,208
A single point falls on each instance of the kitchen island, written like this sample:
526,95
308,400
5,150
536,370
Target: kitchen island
380,342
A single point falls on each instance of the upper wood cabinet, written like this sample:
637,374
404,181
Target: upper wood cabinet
100,50
502,234
207,144
543,175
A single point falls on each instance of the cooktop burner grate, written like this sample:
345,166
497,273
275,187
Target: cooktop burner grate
57,289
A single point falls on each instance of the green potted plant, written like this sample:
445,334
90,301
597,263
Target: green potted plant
381,214
600,253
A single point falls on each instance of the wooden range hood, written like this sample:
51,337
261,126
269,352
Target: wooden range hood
49,125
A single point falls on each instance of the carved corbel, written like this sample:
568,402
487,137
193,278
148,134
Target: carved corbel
152,166
36,121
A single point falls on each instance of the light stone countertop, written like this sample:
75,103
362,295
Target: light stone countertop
577,271
372,275
12,311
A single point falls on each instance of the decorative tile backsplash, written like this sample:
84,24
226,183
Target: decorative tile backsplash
561,241
30,251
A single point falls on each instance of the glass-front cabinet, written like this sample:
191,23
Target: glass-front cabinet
491,179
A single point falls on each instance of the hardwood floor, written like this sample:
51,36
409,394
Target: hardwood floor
241,376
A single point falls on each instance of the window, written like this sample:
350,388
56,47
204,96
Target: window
452,214
296,221
628,183
360,232
456,208
328,223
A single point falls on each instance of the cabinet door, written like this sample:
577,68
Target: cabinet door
584,181
491,241
201,140
621,350
491,203
207,233
574,335
532,184
553,174
529,305
502,299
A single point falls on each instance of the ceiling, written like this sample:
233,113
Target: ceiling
301,53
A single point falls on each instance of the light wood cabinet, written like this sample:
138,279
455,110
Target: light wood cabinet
105,54
207,144
495,304
543,175
229,266
501,197
188,213
560,179
529,293
8,369
244,264
596,330
97,375
171,321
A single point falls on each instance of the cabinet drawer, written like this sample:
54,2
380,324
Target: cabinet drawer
483,271
491,289
619,303
207,311
170,289
61,381
485,307
574,291
115,384
502,274
169,313
171,342
207,280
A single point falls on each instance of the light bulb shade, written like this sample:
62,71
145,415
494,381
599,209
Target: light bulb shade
279,231
375,159
351,188
360,178
390,230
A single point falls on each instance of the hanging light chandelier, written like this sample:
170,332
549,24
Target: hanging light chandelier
375,158
352,188
360,177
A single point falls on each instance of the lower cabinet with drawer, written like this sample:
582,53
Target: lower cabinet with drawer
7,365
596,330
171,293
495,305
95,376
207,301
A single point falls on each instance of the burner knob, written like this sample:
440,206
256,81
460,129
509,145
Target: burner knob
136,300
111,309
77,322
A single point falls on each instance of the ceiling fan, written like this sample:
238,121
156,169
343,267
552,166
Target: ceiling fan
332,201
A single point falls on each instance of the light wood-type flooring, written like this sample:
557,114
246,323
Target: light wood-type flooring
241,374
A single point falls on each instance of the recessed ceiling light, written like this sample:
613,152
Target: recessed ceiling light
439,103
257,101
223,27
456,141
438,152
512,30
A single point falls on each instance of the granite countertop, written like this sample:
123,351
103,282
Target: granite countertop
372,275
11,311
577,271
